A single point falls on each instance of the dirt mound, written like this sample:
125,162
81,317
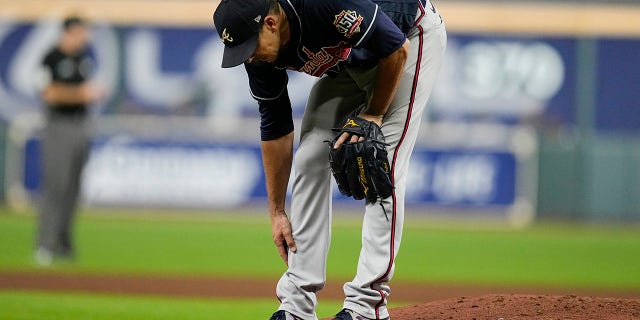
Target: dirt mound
511,307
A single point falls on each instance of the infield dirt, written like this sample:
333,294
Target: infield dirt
522,307
457,302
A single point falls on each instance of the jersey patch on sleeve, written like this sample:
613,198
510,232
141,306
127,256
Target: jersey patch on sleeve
348,22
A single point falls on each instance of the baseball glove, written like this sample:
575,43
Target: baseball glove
361,169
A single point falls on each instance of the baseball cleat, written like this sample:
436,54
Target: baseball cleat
346,314
283,315
43,257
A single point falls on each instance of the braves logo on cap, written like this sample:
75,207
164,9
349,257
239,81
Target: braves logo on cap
226,36
238,23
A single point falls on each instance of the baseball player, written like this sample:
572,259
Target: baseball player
65,139
375,59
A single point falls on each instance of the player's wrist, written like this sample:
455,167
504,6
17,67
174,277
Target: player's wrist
277,211
375,118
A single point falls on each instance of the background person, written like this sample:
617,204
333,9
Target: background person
66,137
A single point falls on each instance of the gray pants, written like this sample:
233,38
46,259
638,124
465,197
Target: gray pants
330,100
65,147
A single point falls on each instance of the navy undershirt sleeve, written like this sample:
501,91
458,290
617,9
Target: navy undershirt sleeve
269,87
276,118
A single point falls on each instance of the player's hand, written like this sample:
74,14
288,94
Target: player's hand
355,138
282,236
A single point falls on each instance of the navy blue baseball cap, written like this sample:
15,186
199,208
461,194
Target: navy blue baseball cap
238,23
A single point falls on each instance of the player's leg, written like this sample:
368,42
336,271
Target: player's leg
78,136
383,221
46,238
55,176
310,213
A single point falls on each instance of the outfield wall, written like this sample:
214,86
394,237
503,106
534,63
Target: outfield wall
157,173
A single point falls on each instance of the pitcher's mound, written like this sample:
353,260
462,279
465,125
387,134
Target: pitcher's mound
511,307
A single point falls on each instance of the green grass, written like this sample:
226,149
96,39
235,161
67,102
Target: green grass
143,246
541,256
241,246
65,306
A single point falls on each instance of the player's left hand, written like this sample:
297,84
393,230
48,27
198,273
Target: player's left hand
361,167
346,136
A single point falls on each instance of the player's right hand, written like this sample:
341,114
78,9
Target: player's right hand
282,235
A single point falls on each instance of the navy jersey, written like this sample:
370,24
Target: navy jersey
326,37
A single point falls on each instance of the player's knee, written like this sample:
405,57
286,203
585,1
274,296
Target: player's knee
314,287
311,161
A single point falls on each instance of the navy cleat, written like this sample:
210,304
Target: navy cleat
283,315
346,314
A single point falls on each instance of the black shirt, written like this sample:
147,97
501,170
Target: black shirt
71,69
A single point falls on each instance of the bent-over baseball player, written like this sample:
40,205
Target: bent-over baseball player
377,62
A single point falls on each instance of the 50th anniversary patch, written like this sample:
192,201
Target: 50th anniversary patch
348,22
